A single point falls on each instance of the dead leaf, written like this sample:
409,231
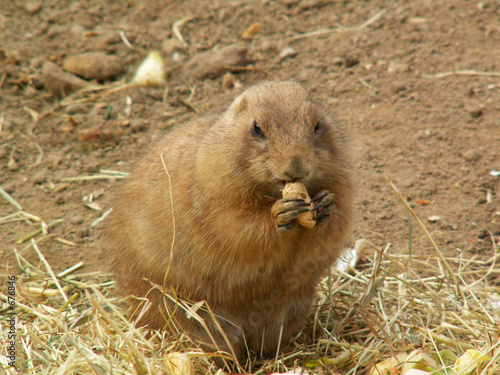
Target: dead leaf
250,32
423,202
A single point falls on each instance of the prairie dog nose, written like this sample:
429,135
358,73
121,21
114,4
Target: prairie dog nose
297,169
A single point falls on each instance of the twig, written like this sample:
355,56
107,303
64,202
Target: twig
29,216
188,105
367,85
102,91
65,242
101,218
116,312
444,339
245,69
173,218
2,80
49,269
436,247
192,90
35,311
462,73
178,24
70,270
9,199
110,171
34,115
125,40
338,29
371,20
371,288
40,154
140,360
12,218
83,351
93,177
38,231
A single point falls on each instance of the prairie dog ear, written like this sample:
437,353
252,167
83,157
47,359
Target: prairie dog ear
239,104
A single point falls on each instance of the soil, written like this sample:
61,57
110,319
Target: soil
436,137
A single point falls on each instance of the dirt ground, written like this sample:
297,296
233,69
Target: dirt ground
437,137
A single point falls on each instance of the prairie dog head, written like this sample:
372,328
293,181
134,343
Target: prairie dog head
271,134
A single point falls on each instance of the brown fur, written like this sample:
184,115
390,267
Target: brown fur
227,248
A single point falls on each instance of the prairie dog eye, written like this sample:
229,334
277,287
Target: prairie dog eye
317,127
257,131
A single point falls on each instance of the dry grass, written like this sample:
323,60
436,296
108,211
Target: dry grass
393,302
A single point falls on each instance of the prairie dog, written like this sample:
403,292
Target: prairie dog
236,242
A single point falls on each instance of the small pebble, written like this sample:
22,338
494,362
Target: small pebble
77,29
76,108
60,187
482,201
176,56
98,193
37,62
67,149
13,57
9,125
266,45
138,125
39,177
287,52
213,63
483,233
77,220
304,75
33,7
92,168
476,113
105,40
59,82
56,30
172,45
351,61
86,20
228,80
60,200
38,80
386,216
397,68
471,155
9,188
99,153
82,232
414,37
308,4
94,65
398,87
434,218
337,60
12,165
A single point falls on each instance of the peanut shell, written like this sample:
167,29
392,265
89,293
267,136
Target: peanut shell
297,190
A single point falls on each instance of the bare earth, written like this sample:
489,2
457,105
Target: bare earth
436,137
